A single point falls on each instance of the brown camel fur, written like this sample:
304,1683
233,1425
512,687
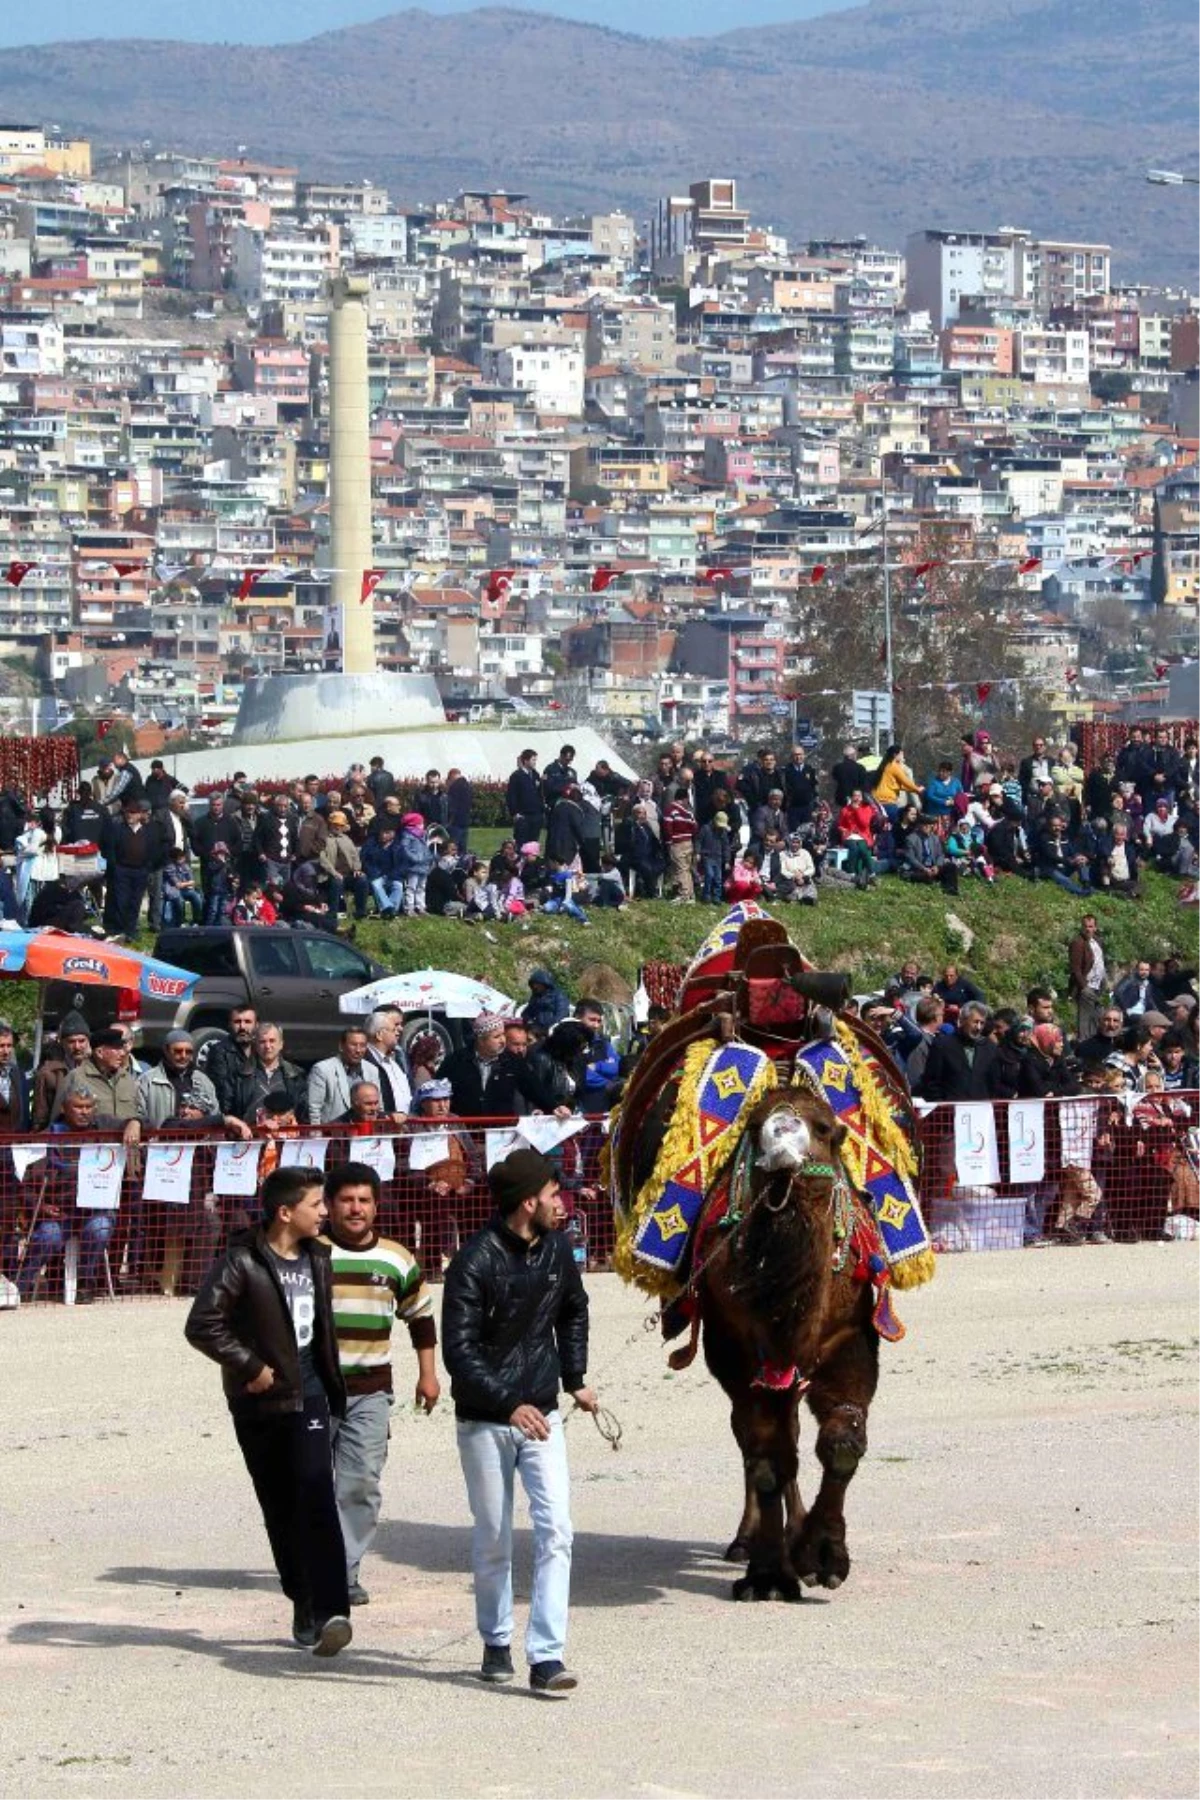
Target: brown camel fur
768,1297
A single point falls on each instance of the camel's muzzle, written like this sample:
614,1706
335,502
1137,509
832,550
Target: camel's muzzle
784,1142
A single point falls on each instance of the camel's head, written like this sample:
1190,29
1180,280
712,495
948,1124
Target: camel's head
797,1136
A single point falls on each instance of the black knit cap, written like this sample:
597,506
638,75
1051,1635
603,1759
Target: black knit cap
522,1174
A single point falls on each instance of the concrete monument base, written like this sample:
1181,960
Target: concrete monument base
282,708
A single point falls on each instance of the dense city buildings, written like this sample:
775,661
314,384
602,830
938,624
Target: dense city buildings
607,454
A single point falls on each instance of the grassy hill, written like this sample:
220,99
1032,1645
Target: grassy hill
1020,936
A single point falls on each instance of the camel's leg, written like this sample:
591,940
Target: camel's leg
765,1427
840,1396
749,1523
793,1507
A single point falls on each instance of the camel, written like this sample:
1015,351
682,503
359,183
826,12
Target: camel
783,1278
771,1305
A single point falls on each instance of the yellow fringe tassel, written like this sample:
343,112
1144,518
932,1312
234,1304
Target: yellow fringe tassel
679,1145
892,1142
914,1271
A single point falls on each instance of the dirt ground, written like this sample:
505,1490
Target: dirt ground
1020,1618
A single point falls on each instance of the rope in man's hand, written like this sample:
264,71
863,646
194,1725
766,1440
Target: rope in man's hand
606,1422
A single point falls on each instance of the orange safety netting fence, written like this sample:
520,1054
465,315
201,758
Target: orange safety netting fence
84,1216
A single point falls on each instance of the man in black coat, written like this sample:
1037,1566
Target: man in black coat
799,789
847,774
265,1313
487,1081
514,1332
137,846
962,1065
524,799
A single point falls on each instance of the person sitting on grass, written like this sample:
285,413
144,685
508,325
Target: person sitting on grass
562,899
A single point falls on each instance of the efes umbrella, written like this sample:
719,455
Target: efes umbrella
428,990
60,956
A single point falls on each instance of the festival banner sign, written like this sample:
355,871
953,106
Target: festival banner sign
168,1173
235,1169
1027,1141
976,1153
99,1174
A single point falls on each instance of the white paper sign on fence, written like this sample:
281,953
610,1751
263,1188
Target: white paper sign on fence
168,1173
303,1153
428,1148
546,1133
1027,1140
976,1155
497,1145
235,1169
24,1156
379,1153
100,1172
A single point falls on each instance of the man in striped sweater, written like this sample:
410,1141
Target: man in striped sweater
375,1280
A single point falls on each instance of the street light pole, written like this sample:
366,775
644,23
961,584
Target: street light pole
887,580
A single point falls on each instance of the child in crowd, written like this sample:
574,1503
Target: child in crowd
252,907
609,887
413,861
182,902
561,882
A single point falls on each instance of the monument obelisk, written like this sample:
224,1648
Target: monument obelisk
360,698
350,472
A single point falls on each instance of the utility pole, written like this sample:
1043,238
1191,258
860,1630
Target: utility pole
887,581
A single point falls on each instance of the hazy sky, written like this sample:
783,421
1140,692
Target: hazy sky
274,21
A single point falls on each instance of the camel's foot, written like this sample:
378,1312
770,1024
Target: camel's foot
738,1551
767,1584
842,1443
819,1555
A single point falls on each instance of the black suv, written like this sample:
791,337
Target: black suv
293,978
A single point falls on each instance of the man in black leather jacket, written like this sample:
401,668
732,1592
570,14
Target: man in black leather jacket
514,1330
265,1313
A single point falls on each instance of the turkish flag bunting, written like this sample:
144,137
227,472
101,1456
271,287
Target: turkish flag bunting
16,572
717,573
103,727
124,569
1029,565
1160,669
499,583
246,585
982,690
923,568
1070,676
370,581
817,573
601,578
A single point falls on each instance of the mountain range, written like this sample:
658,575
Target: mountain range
883,119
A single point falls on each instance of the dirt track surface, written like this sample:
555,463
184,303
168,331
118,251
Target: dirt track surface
1020,1618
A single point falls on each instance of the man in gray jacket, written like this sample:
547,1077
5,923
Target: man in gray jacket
330,1082
162,1092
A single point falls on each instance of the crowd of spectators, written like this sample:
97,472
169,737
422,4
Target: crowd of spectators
1123,1168
695,829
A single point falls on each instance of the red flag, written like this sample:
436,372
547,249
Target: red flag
249,577
126,568
1029,565
370,581
1071,676
982,690
16,572
499,582
103,727
717,573
602,576
817,573
1160,669
923,568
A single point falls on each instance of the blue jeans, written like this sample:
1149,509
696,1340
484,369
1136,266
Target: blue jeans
566,905
491,1455
216,896
354,885
712,880
389,895
48,1239
177,907
1063,881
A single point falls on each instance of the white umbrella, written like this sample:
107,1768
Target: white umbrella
428,990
